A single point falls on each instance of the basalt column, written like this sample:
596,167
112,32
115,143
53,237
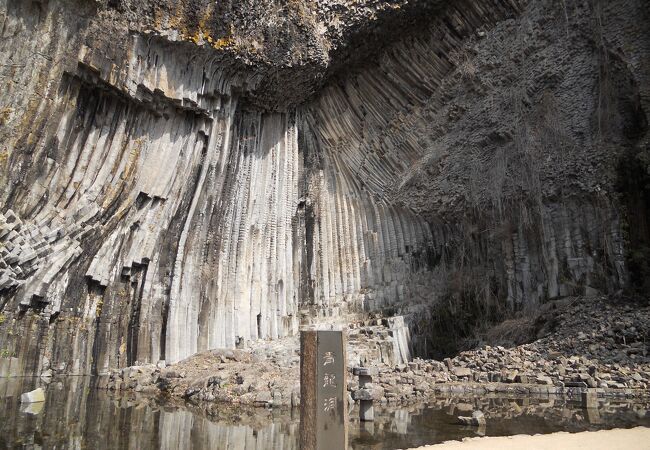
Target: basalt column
239,242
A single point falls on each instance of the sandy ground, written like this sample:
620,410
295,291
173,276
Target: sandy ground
635,438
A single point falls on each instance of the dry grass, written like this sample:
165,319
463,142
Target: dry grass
512,332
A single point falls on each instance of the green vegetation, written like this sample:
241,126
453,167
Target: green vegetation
6,353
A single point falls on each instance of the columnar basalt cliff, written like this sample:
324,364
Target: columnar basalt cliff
178,176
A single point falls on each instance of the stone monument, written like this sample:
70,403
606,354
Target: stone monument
323,390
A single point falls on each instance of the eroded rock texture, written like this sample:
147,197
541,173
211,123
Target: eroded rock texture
181,176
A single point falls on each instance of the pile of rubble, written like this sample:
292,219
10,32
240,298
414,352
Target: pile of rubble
589,344
230,376
264,374
592,344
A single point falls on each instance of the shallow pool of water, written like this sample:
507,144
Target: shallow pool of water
76,416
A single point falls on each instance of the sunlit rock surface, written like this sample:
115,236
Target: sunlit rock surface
182,176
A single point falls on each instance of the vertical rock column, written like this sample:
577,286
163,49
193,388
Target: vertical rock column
237,250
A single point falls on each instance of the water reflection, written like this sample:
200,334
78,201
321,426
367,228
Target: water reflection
76,416
436,421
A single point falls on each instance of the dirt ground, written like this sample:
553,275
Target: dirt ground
632,439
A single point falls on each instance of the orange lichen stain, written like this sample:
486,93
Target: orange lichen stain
176,18
207,14
202,36
4,157
134,156
223,42
5,114
226,41
157,20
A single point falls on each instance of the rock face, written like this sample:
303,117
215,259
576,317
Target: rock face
183,176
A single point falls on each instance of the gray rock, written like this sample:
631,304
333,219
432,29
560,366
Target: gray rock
462,372
295,398
521,379
263,397
190,392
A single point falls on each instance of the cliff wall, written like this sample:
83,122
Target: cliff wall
180,176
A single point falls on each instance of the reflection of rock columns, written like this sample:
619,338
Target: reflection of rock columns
590,406
589,399
401,421
593,416
175,429
182,430
367,427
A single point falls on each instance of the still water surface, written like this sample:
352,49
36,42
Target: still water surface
76,416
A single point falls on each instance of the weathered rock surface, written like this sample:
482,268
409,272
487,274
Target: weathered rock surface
177,177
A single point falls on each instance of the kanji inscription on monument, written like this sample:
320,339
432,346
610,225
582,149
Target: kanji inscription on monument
323,422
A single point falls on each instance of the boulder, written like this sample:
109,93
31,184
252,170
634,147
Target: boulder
509,376
365,371
37,395
263,397
369,392
462,372
576,384
189,392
